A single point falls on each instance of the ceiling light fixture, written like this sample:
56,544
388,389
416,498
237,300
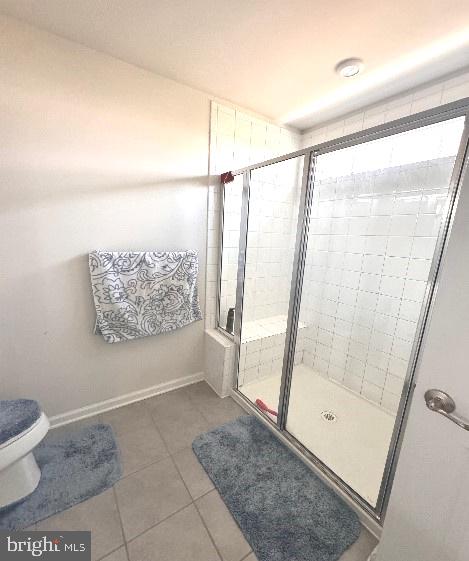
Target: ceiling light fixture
437,59
349,67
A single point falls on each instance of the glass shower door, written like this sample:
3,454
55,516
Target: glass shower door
274,195
377,209
232,202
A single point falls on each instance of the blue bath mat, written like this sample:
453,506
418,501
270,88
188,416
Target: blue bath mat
285,512
74,467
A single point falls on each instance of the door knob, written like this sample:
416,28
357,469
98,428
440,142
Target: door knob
442,403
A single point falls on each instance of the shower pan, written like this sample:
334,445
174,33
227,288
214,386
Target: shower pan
329,262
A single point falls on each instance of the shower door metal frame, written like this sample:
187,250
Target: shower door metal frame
433,116
221,226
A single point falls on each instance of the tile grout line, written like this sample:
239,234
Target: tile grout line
144,467
170,456
194,501
155,424
111,552
120,520
133,538
205,494
208,532
198,511
194,403
98,419
126,541
151,463
201,409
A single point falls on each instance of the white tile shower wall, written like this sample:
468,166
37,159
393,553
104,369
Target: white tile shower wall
273,211
368,260
262,349
237,139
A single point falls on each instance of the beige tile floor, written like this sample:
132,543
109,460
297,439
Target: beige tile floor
165,508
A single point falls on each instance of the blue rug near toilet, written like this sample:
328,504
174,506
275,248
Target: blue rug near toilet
285,512
74,467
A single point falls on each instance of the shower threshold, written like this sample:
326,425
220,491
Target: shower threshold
345,431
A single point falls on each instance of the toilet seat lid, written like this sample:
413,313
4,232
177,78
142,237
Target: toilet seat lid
16,416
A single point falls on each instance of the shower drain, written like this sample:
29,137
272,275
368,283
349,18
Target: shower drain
329,416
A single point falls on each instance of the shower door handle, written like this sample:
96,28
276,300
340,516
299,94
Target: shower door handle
442,403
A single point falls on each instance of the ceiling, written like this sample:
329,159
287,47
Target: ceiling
274,57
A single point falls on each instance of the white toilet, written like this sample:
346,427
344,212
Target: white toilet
22,427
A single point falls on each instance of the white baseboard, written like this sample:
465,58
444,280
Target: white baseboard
103,406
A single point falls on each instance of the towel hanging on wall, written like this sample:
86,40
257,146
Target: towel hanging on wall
137,294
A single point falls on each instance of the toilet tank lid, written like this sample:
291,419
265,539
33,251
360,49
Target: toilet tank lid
16,416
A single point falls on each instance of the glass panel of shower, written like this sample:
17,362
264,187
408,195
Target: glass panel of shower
377,209
231,220
274,195
339,248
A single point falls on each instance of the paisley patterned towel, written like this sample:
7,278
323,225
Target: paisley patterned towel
143,293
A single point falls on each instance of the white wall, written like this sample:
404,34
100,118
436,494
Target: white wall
94,154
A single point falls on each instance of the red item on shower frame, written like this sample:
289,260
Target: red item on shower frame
263,407
226,177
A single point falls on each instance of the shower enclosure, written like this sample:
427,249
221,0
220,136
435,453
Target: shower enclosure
329,263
